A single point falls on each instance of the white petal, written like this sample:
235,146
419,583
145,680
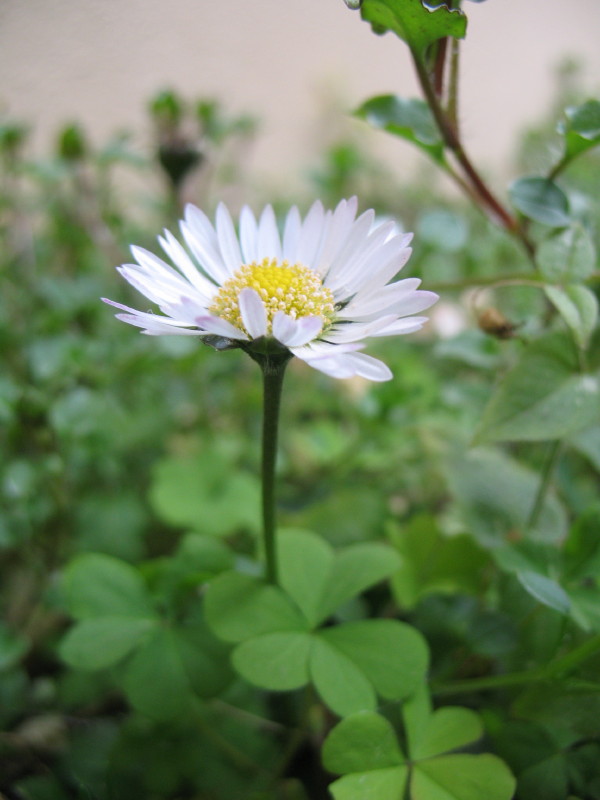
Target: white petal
253,312
310,235
181,259
202,240
295,332
355,331
341,223
248,235
228,242
351,253
291,235
392,299
370,368
402,326
144,316
269,245
219,326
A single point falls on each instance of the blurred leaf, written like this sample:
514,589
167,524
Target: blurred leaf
391,654
542,200
275,661
578,306
239,607
12,648
381,784
97,585
103,641
416,24
444,230
567,257
582,546
448,729
544,396
305,562
432,562
355,569
545,590
462,777
587,442
338,680
496,494
408,119
362,741
581,128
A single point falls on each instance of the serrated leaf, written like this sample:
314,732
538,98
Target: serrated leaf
238,607
101,642
97,585
567,257
581,128
305,562
462,777
392,655
542,200
416,24
355,569
340,683
545,590
409,119
362,742
543,396
275,661
382,784
578,306
448,729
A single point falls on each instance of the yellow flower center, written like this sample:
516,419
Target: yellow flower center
295,289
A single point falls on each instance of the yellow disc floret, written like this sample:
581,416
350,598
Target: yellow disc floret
294,289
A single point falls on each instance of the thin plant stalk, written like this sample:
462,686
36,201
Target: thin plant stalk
273,369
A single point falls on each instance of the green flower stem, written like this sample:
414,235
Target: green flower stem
273,369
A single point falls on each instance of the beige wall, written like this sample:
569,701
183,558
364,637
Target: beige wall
98,61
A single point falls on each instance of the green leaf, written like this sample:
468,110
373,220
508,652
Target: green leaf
98,585
545,590
275,661
413,22
448,729
305,562
567,257
382,784
462,777
582,546
392,655
238,607
432,562
495,495
408,119
543,396
204,657
355,569
101,642
340,683
361,742
578,306
587,442
581,128
12,648
542,200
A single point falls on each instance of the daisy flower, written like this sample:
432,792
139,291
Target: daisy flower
318,291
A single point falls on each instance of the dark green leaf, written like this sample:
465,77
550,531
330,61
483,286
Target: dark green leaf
305,562
542,200
413,22
543,397
409,119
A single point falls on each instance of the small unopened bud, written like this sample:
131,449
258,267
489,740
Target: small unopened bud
494,323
